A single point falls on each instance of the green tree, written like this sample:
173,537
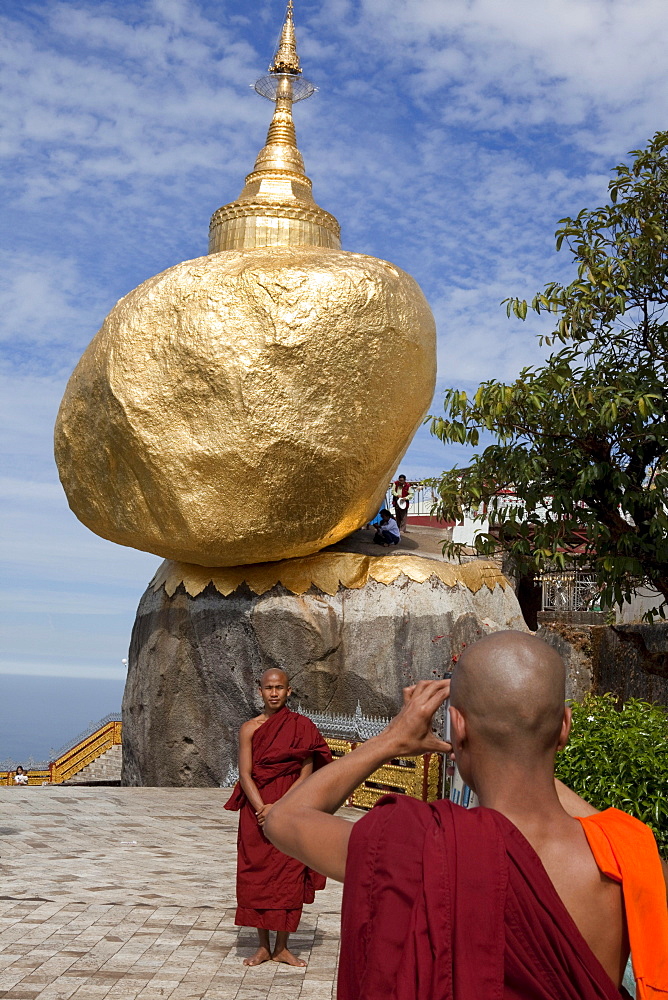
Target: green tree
581,441
619,757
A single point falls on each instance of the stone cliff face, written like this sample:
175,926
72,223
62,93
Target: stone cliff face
195,661
629,661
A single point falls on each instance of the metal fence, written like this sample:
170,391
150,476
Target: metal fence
572,590
422,500
355,728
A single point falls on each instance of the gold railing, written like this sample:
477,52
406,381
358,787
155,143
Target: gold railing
86,752
418,777
73,760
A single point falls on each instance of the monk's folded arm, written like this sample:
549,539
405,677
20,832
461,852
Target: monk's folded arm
301,825
246,768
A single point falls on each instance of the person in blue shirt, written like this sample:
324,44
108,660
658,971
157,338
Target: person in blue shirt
387,532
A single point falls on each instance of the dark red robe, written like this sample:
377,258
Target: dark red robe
445,903
271,887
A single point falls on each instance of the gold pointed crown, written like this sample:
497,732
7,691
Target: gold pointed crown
276,206
286,59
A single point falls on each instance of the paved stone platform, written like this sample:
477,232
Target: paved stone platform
128,894
417,541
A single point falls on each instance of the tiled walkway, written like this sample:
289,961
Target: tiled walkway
128,894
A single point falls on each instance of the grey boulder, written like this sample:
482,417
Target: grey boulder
195,661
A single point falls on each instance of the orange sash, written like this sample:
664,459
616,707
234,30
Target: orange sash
625,851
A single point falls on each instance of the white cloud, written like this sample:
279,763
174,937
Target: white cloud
520,64
44,299
147,101
24,490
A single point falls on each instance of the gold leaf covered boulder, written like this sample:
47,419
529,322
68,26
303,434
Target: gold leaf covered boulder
250,405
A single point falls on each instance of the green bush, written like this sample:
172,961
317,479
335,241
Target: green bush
620,758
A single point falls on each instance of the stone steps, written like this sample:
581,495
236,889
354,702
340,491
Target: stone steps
107,767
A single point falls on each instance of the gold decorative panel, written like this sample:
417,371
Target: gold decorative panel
418,777
327,571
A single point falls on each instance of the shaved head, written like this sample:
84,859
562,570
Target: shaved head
511,688
274,672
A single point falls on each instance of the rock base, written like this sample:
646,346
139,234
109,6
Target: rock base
195,660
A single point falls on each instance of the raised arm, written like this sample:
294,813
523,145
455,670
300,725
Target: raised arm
301,824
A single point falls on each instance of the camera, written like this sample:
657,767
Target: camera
460,793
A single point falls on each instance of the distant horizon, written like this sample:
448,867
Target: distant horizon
29,727
74,672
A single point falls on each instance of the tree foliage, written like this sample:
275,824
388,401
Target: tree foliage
620,758
581,441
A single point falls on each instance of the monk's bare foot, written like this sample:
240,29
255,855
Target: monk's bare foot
260,956
288,958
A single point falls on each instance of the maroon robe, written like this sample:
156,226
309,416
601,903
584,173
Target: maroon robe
271,887
445,903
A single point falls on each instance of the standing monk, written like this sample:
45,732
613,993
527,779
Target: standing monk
277,750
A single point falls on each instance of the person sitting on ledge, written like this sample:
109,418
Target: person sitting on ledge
387,531
514,900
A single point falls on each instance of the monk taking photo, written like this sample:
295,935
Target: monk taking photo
534,895
278,750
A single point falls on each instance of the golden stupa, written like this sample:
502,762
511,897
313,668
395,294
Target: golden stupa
250,405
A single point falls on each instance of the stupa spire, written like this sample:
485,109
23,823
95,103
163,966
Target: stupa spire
276,206
280,87
286,59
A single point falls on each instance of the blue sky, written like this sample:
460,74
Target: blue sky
448,136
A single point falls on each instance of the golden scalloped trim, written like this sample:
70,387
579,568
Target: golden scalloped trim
327,571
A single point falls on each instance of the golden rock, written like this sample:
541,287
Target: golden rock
251,405
247,406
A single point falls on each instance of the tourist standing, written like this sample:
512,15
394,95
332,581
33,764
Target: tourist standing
402,493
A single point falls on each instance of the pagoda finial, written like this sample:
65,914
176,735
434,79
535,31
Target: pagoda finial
276,206
286,59
285,86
